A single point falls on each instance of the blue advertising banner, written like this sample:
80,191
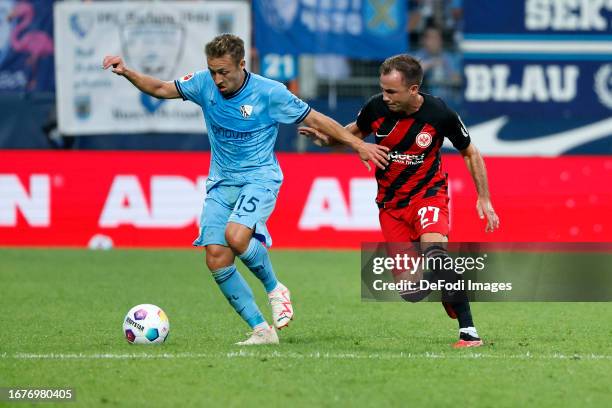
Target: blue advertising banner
532,88
26,46
544,58
364,29
589,17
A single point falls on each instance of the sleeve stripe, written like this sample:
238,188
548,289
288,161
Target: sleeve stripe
178,88
303,115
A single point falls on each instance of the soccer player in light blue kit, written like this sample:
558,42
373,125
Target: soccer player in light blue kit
242,111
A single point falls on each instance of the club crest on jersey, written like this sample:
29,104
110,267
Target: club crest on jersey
246,110
423,139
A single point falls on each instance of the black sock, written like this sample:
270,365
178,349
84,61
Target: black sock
464,314
457,300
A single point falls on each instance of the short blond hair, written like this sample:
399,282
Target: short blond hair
226,44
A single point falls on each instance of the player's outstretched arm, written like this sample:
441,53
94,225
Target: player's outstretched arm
330,129
321,139
476,166
147,84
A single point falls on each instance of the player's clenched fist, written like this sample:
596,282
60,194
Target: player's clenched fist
116,62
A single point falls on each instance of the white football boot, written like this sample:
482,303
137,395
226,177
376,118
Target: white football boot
280,302
260,336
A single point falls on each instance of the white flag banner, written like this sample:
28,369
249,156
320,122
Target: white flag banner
162,39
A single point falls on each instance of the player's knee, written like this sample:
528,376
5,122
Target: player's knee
432,237
218,257
414,296
442,268
238,238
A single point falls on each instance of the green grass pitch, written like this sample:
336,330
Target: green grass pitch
62,313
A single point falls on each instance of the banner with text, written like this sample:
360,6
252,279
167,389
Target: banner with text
555,88
327,200
544,58
164,40
373,29
582,17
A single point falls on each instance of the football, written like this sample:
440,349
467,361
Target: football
146,324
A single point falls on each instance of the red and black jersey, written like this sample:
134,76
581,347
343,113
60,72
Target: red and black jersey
414,143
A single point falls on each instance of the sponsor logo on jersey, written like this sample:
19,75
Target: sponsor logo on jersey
407,159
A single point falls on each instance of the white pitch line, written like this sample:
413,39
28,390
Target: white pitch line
302,356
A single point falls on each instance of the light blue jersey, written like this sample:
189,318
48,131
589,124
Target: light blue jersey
243,126
244,175
243,179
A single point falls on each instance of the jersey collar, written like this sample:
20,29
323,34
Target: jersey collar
247,76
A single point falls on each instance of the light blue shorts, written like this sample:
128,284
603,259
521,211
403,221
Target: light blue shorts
249,205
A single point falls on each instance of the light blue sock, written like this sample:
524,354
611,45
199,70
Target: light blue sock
239,294
256,258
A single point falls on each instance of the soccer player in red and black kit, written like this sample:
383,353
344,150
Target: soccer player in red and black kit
412,189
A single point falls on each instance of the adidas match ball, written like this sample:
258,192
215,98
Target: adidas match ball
146,324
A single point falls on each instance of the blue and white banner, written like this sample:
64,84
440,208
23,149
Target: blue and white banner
535,88
364,29
538,58
26,46
563,17
162,39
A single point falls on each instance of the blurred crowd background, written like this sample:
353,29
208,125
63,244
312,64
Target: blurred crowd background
328,52
333,83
